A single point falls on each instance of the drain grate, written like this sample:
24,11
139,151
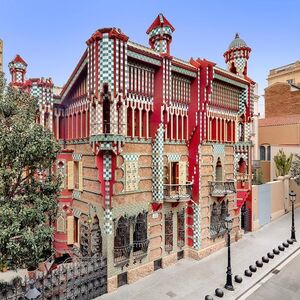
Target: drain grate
275,271
171,294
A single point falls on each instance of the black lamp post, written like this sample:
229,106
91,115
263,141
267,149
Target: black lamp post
293,231
228,225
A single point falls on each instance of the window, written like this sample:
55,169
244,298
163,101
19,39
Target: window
174,172
140,241
61,224
262,150
290,81
75,175
169,232
75,230
242,166
241,132
219,170
217,220
122,279
157,264
122,247
180,229
106,115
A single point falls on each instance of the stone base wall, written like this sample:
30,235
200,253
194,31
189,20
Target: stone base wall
169,260
112,284
140,272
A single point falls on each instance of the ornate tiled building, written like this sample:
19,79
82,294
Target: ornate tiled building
155,151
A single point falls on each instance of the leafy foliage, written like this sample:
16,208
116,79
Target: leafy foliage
258,177
295,169
28,187
283,164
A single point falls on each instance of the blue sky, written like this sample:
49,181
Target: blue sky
50,34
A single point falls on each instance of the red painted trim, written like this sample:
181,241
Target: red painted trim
83,57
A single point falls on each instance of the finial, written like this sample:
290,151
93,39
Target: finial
237,35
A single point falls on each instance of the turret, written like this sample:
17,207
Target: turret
237,55
17,68
160,35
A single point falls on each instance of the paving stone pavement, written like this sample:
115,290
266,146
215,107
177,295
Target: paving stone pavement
190,279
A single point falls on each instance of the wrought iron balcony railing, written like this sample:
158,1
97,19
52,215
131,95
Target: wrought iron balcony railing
140,249
177,192
221,188
122,254
242,176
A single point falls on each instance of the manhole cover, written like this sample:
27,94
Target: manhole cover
275,271
171,294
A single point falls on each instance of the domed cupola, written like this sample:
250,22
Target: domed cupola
237,55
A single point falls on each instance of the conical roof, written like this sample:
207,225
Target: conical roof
160,21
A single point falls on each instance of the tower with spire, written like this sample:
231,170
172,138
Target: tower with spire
237,55
17,68
160,34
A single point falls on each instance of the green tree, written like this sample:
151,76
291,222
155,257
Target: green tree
295,169
283,163
28,200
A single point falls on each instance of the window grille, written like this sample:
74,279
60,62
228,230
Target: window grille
169,232
180,229
217,220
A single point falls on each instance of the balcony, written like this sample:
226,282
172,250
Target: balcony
242,177
221,188
122,254
177,192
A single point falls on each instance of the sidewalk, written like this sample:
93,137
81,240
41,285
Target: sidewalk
190,279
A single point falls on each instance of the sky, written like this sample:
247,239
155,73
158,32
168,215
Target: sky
50,35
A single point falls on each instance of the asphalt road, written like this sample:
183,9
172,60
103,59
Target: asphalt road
284,284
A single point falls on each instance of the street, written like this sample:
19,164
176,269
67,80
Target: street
190,279
282,284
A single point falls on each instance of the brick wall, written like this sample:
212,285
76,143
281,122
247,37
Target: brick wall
280,100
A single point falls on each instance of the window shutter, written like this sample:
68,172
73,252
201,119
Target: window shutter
80,173
182,172
70,236
70,175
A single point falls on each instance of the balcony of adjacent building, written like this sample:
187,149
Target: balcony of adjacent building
177,188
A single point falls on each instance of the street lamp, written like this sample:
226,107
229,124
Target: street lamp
228,225
293,231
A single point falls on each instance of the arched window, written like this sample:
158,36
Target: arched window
242,166
122,247
96,238
241,132
219,176
140,241
214,129
106,114
262,150
217,219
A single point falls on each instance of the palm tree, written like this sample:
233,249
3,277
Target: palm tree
283,164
